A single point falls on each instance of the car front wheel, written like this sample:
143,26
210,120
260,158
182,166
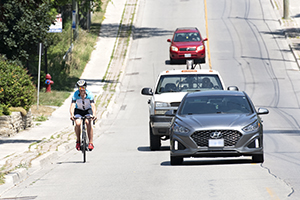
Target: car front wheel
258,158
176,160
155,142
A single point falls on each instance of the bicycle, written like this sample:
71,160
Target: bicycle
84,142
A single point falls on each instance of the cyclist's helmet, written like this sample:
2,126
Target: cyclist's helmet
81,83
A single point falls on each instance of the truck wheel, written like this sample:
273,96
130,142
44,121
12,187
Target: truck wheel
176,160
154,140
258,158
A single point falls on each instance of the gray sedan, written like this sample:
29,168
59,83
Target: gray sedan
216,124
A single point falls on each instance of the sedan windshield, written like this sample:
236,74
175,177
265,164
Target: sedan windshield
215,104
188,83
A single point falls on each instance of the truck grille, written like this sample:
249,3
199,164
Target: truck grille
231,137
175,104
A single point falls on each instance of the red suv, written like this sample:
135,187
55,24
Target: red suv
187,44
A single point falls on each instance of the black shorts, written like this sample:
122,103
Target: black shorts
83,112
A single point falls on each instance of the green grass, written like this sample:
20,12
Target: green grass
53,98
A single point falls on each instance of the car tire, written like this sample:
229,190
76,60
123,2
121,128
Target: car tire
171,61
155,142
259,158
202,60
176,160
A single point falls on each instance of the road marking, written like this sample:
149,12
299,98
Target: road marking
206,25
273,196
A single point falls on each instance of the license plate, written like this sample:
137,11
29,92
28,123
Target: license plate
216,143
187,55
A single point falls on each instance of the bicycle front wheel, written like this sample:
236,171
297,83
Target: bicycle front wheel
84,145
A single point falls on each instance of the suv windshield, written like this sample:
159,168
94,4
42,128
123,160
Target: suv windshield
187,37
188,83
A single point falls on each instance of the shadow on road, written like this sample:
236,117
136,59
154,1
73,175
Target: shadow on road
212,162
18,141
162,148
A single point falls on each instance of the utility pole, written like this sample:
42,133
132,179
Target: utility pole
75,19
88,16
286,5
39,74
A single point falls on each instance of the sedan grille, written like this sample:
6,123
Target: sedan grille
231,137
188,49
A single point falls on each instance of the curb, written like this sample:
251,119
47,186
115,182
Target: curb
290,44
18,175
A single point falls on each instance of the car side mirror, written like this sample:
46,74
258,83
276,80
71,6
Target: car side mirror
233,88
205,39
169,40
147,91
262,111
170,113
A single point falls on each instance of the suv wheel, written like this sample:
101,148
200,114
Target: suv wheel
176,160
258,158
154,140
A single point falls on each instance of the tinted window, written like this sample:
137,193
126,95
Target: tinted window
188,83
215,104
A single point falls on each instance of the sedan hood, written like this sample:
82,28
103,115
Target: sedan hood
213,121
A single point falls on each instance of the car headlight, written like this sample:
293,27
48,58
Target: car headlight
158,105
173,48
252,127
161,104
199,48
180,129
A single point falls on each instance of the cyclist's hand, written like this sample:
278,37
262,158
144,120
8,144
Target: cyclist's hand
72,118
94,117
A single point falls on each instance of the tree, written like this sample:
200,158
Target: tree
23,24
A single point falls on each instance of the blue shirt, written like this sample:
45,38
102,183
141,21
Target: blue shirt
83,104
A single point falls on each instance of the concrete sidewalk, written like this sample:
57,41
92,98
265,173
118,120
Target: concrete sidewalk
291,26
18,151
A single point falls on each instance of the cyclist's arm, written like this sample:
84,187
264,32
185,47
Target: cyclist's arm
94,111
72,108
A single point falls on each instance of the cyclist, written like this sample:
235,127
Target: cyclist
83,104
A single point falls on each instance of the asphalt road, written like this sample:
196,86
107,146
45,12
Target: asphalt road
249,51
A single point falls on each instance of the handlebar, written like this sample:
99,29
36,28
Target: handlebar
83,118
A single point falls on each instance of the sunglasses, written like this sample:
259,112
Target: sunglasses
81,88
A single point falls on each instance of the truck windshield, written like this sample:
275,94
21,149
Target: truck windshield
188,83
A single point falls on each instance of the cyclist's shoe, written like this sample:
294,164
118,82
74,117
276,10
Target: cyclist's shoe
78,146
91,146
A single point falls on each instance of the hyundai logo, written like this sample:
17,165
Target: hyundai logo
216,135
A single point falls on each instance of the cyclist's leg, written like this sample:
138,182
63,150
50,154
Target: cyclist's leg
78,114
90,130
90,127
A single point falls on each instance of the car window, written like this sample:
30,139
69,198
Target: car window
215,104
187,37
188,83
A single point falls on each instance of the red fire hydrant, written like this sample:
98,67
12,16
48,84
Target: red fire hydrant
48,82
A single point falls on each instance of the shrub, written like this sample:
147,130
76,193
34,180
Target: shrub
16,87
